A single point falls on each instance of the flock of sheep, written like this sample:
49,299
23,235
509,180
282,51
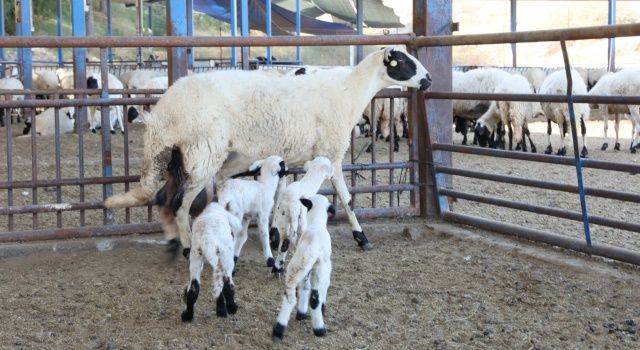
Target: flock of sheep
491,119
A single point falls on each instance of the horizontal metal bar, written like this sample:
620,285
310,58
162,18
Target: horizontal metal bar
201,41
599,249
69,182
555,186
79,91
581,33
541,158
532,208
79,232
603,99
79,102
371,189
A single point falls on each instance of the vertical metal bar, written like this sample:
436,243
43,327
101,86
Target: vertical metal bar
34,166
374,136
56,116
140,29
177,26
190,51
9,136
611,19
2,34
107,171
125,141
298,30
80,82
433,17
25,53
576,150
514,22
268,13
60,33
353,173
244,31
110,28
359,26
392,139
234,29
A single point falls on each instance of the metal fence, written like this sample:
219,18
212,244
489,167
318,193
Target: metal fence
418,183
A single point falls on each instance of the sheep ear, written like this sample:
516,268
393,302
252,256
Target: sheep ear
256,165
387,53
331,210
307,203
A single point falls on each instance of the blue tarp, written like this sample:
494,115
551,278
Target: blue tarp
283,21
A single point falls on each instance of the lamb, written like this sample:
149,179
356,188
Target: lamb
161,82
289,217
219,120
10,84
512,114
309,269
483,80
624,82
556,84
45,122
94,81
213,233
247,199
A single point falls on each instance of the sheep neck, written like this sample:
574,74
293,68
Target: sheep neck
313,180
364,82
270,182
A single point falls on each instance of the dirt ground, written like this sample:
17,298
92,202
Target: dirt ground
445,288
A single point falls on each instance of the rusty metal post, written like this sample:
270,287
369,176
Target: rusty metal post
107,171
433,17
244,31
177,26
514,24
79,29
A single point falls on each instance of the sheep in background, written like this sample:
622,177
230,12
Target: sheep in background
45,122
289,217
593,76
309,270
212,240
140,77
94,81
535,76
11,84
556,84
219,121
247,199
382,110
513,114
160,83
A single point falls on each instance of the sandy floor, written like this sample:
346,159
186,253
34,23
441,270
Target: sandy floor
448,288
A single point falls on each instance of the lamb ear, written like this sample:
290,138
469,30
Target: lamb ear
307,203
256,165
387,53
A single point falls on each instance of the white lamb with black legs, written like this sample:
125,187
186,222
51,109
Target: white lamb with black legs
309,271
247,199
94,81
289,217
556,84
222,121
212,242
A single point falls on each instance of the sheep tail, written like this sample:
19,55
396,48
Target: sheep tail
156,159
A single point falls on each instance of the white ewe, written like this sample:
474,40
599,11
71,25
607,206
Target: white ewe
10,84
45,122
224,120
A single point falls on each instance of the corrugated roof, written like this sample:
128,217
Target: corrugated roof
376,14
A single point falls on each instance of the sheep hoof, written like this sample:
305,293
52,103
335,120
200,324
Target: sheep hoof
172,247
362,240
93,131
278,332
584,152
320,332
122,132
221,306
617,146
300,316
113,132
187,316
271,262
562,151
633,150
232,307
549,150
186,252
604,146
277,271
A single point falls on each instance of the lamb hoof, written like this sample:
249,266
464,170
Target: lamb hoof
396,148
617,146
187,316
186,252
232,308
122,132
172,248
113,132
362,240
320,332
633,150
278,332
562,151
271,262
604,146
301,316
549,150
93,131
277,271
584,152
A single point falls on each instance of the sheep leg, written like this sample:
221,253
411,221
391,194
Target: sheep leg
170,231
528,135
241,239
341,189
583,128
605,120
196,263
563,134
304,292
182,215
320,279
218,283
228,288
617,129
263,228
635,118
549,149
511,139
293,278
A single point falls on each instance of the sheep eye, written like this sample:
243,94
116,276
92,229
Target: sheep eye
393,63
